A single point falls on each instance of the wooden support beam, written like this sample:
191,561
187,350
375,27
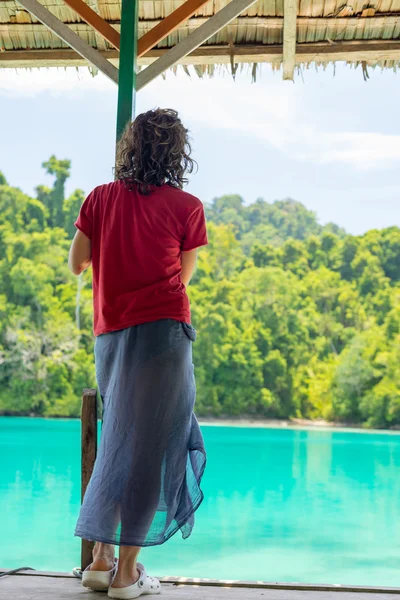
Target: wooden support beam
94,20
72,39
380,24
289,38
127,64
88,457
193,41
378,20
150,39
320,52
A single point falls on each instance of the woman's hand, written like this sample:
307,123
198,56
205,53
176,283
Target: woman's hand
80,254
188,260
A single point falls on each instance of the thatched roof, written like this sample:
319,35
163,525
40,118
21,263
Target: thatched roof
327,31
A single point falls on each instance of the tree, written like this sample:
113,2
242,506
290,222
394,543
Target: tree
19,213
53,198
71,208
294,319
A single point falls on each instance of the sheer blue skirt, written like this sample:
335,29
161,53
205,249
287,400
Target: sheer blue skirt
146,481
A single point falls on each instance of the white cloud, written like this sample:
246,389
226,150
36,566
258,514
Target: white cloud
24,83
364,150
275,112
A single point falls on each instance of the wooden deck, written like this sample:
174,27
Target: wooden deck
63,586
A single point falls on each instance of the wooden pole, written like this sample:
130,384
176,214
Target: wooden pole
127,64
88,456
289,38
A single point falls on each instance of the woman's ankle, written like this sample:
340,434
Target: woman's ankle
125,576
103,557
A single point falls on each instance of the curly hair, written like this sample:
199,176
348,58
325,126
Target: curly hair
154,150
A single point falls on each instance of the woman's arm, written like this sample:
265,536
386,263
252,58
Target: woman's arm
80,254
188,260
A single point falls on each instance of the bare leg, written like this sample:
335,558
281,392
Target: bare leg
103,557
127,570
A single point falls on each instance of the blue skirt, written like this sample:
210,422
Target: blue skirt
146,480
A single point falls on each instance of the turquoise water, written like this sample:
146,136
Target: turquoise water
280,505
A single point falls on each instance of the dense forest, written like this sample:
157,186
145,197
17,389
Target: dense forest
294,319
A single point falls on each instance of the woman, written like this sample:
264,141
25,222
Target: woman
140,233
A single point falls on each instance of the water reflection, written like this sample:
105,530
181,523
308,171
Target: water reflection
281,504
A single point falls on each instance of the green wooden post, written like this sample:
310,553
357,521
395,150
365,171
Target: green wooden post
127,64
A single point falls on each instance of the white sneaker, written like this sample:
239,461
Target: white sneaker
144,585
99,581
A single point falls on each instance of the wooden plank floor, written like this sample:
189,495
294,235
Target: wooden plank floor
65,587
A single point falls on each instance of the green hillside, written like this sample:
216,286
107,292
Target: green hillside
294,319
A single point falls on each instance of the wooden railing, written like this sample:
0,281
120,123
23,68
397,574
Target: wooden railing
88,456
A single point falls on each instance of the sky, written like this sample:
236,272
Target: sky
329,140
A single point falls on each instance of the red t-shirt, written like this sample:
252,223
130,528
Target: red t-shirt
136,253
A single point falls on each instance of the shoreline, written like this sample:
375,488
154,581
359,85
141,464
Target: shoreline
256,423
300,424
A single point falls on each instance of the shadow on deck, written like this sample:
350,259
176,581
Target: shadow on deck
40,585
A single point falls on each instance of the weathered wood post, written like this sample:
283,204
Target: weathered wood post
88,456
